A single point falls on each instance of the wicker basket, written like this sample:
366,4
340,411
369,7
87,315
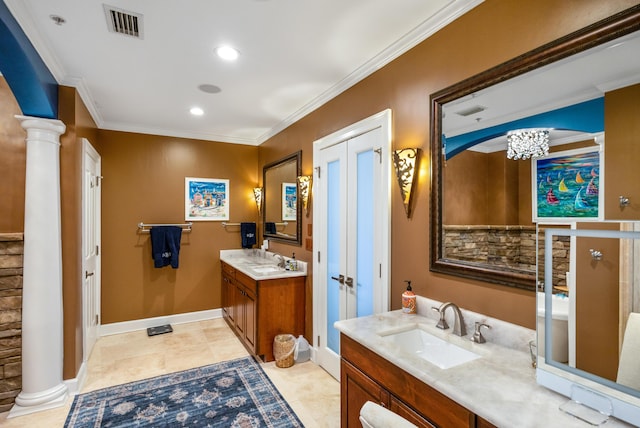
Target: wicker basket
283,349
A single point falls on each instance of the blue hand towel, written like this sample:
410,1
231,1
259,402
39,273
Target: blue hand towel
248,234
165,245
270,227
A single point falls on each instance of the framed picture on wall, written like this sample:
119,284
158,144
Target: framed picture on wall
289,201
568,186
206,199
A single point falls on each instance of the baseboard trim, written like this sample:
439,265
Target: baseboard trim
143,324
75,385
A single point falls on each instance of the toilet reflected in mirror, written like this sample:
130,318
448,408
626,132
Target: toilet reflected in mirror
559,326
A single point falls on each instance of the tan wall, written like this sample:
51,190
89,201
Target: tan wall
524,193
144,182
503,189
485,189
598,303
492,33
466,184
74,114
622,123
12,162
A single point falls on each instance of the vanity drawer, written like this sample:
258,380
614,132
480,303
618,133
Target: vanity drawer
249,283
227,268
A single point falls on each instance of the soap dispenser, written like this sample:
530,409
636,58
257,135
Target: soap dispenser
293,263
408,300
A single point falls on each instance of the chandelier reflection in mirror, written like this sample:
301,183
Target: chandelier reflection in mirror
527,143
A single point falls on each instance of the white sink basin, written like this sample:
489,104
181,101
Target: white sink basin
266,269
431,348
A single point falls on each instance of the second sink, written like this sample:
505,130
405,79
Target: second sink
431,348
267,269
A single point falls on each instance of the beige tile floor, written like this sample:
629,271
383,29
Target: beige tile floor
310,391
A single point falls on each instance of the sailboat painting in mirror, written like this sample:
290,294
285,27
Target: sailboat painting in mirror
568,186
289,201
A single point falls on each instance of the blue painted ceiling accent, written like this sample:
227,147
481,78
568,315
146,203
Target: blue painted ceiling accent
587,116
31,82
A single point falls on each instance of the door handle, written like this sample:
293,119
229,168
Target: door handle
87,274
349,281
340,278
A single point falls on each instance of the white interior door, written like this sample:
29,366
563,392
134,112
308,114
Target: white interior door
352,223
90,247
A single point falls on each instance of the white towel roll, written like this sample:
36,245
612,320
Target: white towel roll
375,416
629,365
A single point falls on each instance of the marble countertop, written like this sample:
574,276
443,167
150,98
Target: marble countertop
261,265
500,386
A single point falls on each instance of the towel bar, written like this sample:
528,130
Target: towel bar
145,228
225,224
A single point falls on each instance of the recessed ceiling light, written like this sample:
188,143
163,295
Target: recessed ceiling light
227,53
196,111
209,89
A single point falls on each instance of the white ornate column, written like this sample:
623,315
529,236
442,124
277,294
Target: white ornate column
42,344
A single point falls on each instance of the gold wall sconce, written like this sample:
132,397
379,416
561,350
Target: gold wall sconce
406,162
304,186
257,194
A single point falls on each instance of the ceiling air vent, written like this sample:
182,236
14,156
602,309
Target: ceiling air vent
471,110
123,22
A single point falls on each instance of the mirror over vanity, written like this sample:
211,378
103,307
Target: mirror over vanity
574,88
488,217
281,213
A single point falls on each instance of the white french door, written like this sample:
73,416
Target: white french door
351,213
91,209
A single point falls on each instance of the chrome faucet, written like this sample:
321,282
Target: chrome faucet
458,325
477,334
281,263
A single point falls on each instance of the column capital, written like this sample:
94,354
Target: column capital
53,126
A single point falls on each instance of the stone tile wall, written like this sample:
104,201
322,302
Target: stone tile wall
507,247
11,250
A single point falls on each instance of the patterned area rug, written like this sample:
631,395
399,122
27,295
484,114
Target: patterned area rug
234,393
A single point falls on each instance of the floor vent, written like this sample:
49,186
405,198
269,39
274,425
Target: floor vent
123,22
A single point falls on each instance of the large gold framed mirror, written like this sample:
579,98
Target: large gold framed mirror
496,204
281,214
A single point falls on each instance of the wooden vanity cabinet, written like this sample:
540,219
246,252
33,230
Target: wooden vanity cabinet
360,389
257,311
366,376
228,294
